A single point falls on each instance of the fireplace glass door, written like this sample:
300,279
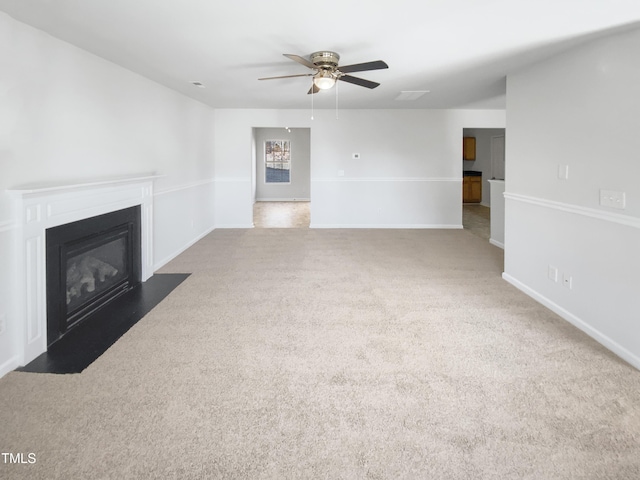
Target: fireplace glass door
94,272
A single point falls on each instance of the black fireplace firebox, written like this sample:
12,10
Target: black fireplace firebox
90,263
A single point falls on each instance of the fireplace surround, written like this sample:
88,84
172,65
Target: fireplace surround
90,263
38,208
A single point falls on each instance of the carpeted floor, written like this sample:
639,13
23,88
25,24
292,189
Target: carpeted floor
353,354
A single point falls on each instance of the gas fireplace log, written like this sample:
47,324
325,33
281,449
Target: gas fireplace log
99,268
84,274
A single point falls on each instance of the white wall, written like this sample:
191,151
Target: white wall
496,237
234,154
579,109
300,186
67,115
408,175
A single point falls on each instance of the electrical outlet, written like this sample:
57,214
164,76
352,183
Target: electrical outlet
610,198
3,324
553,273
567,280
341,173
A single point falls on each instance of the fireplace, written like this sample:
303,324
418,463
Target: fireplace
44,207
89,264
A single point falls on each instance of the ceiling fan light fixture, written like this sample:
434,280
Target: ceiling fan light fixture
326,71
324,80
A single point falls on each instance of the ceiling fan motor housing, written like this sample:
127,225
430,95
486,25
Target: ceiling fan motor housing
325,60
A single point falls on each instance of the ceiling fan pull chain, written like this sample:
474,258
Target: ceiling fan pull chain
312,94
336,100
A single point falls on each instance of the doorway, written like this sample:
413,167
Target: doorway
485,163
281,177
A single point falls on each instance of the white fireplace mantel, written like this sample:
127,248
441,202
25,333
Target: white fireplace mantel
39,207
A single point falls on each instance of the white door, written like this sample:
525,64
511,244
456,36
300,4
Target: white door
497,157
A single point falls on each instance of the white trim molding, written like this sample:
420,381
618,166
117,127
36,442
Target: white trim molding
40,189
164,261
584,211
232,180
411,226
496,243
283,199
184,187
9,366
7,226
387,179
577,322
234,225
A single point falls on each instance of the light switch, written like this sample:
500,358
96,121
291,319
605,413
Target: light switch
563,172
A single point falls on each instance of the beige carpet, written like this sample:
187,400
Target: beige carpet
335,354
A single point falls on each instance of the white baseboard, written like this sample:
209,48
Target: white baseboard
377,225
234,225
598,336
9,366
283,199
167,259
496,243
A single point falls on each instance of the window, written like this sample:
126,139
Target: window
277,161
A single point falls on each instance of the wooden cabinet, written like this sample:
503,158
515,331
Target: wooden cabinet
472,189
469,148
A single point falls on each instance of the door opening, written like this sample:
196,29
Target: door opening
281,177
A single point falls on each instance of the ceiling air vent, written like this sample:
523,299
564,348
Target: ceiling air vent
410,95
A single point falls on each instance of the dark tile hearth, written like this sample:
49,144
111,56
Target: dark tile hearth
84,344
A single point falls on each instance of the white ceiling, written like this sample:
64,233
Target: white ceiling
460,50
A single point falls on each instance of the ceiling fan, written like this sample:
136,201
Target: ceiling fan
327,70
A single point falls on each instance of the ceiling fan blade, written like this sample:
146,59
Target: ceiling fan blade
313,89
299,59
287,76
358,81
361,67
